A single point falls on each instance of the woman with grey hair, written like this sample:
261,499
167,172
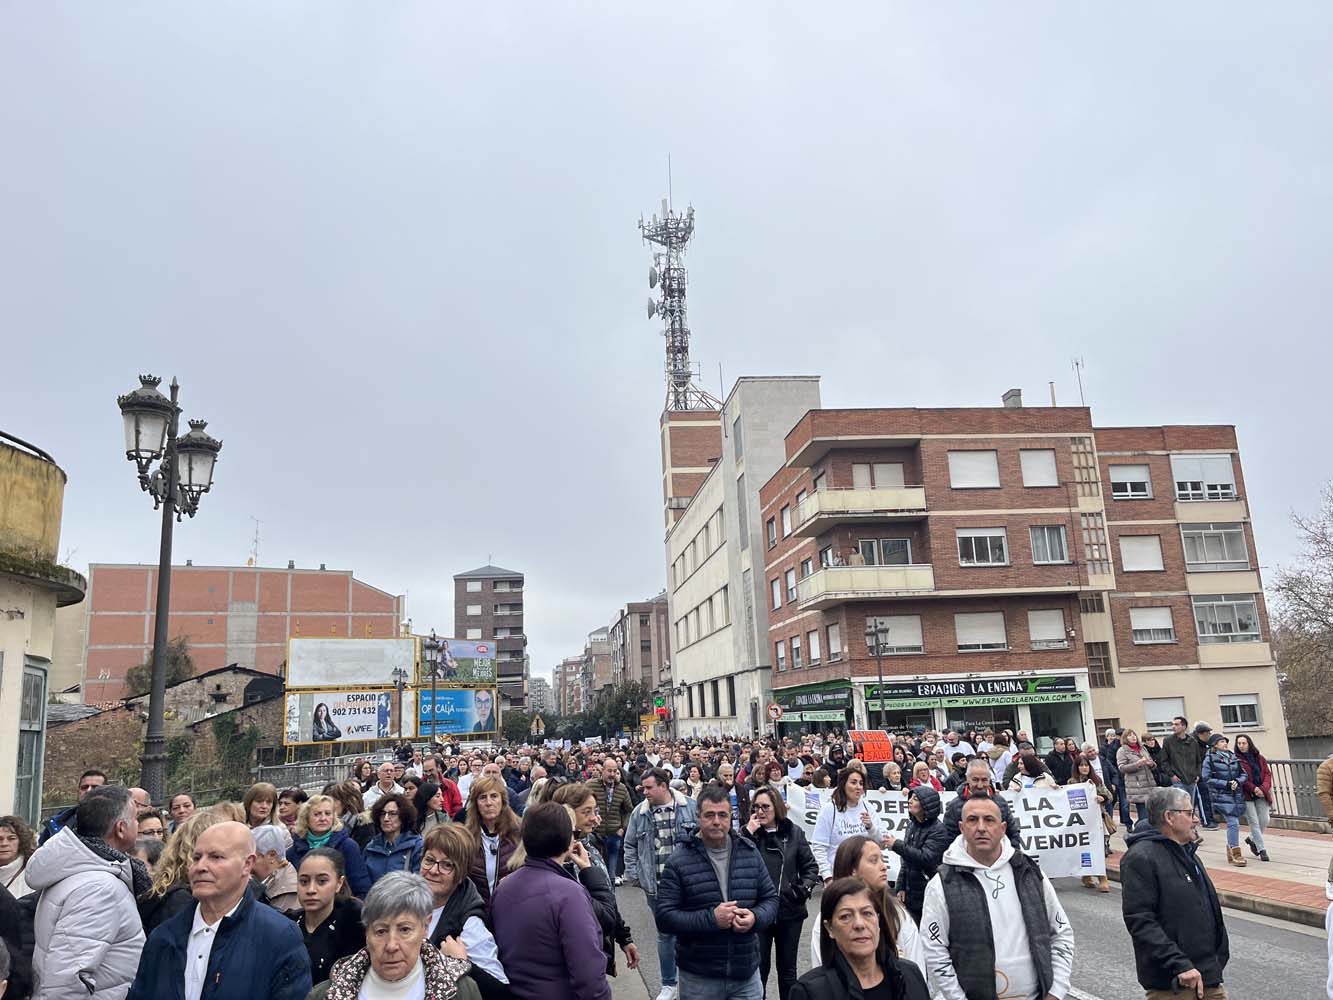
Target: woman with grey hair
398,961
272,869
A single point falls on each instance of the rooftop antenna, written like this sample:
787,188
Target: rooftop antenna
254,544
1078,373
667,273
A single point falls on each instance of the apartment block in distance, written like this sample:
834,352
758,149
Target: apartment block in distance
540,698
488,604
1013,567
240,615
640,649
570,696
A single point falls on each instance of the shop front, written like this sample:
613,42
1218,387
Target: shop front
814,708
1045,706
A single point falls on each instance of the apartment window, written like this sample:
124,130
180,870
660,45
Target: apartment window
474,633
703,701
807,567
689,698
704,535
31,741
900,635
473,610
1158,713
780,652
980,632
725,617
834,642
742,511
881,475
1151,625
1203,477
812,647
1109,722
790,577
502,633
1130,482
1046,629
1239,711
776,584
771,532
474,586
800,498
821,481
1092,604
826,557
736,443
786,521
1227,618
1100,674
1140,553
717,701
1212,548
973,470
796,652
1038,465
645,645
886,551
982,547
1048,544
731,695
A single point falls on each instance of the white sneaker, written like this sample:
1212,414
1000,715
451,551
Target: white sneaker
668,993
620,880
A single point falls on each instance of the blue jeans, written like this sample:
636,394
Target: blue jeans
666,948
694,987
609,844
1233,830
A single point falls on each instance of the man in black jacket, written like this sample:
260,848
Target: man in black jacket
979,782
1170,906
922,847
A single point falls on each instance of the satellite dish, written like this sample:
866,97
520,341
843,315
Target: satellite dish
652,276
652,308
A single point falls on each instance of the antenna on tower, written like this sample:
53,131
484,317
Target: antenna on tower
254,544
1078,366
667,274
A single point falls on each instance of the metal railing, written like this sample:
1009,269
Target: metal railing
1294,789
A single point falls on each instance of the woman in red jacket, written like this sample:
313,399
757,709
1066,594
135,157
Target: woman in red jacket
922,775
1258,794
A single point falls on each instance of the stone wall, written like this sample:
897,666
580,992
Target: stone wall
108,741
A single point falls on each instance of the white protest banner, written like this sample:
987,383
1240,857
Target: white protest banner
1060,827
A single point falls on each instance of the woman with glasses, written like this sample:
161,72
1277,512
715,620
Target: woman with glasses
394,847
792,867
151,826
457,923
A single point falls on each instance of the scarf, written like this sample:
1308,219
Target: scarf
138,870
314,842
442,974
1251,758
464,903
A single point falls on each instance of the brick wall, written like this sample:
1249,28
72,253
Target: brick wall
109,741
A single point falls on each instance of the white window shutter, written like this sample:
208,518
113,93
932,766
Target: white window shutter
1046,625
1129,473
889,475
1141,552
861,476
1142,619
973,629
973,469
1038,467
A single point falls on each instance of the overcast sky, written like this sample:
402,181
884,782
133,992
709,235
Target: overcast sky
390,251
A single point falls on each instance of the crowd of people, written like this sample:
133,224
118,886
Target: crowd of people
442,872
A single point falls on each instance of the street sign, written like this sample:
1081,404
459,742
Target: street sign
538,726
775,711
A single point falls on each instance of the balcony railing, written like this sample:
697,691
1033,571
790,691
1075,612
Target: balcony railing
851,583
824,508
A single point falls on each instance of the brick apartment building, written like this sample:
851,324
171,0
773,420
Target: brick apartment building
568,688
1023,568
488,604
240,615
640,647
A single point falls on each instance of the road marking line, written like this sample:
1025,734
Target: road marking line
1077,994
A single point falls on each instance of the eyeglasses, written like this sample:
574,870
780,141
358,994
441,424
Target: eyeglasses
388,813
437,864
761,807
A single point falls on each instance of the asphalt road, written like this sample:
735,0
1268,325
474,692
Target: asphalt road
1269,960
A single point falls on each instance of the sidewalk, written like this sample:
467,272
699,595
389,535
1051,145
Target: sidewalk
629,985
1290,887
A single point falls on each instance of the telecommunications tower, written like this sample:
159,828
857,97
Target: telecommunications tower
672,233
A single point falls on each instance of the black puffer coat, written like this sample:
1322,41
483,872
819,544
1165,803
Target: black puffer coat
791,865
922,849
839,982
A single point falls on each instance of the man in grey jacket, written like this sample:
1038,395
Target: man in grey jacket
88,936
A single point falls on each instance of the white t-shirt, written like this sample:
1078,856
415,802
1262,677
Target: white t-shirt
834,826
200,948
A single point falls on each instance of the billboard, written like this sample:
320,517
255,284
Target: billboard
458,711
462,661
349,663
343,716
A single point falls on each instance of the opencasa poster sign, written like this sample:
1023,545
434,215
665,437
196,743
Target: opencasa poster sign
1061,827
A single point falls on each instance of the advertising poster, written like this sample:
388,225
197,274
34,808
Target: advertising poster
458,711
349,663
462,661
1061,827
346,716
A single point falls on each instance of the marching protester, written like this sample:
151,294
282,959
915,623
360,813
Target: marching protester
845,815
1226,780
151,826
614,806
318,826
1258,793
396,960
395,847
329,918
1085,774
386,785
169,892
17,843
1184,752
260,804
181,808
857,959
862,858
87,931
275,873
495,829
794,874
715,897
921,847
289,806
88,780
428,804
1137,770
1031,773
661,821
995,924
213,944
1169,904
1060,761
978,785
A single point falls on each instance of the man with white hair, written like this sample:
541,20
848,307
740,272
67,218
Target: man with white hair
385,786
214,943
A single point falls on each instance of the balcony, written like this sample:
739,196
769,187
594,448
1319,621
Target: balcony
824,509
835,584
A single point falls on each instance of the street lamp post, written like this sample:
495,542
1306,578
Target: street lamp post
879,633
184,474
432,647
400,682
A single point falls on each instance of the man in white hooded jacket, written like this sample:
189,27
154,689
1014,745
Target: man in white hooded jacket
992,925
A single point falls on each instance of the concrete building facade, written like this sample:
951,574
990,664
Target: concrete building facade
720,665
640,644
32,587
488,604
229,614
1014,567
596,672
540,697
568,690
